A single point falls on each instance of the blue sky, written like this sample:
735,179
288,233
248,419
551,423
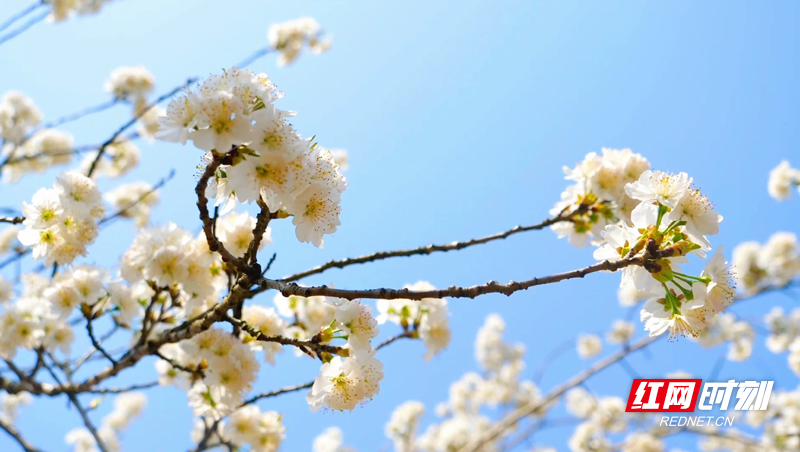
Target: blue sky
458,117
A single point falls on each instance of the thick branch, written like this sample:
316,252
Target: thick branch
288,289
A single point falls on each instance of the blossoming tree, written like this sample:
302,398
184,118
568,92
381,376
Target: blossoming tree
203,306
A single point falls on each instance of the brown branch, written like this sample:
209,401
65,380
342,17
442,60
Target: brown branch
95,342
302,345
12,220
278,392
138,387
429,249
288,289
14,433
214,244
262,222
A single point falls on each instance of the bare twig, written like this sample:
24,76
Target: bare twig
17,16
95,342
14,433
80,114
22,28
429,249
87,422
12,220
256,55
155,188
269,264
302,345
278,392
138,387
101,151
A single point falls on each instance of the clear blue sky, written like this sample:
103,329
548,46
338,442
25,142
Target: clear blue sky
458,117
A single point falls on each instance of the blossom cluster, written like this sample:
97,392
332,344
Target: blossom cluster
134,200
262,431
132,84
600,416
168,256
428,317
782,179
61,222
289,37
120,157
233,115
464,419
781,422
726,328
345,382
127,407
64,9
39,317
45,148
18,116
771,265
670,221
598,196
331,440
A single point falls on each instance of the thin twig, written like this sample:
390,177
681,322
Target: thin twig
122,390
269,264
80,114
14,433
95,342
101,151
12,220
141,198
428,249
18,31
28,9
278,392
256,55
87,422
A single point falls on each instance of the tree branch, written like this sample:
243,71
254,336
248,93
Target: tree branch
12,220
429,249
101,151
155,188
14,433
208,223
288,289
